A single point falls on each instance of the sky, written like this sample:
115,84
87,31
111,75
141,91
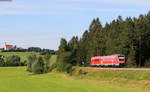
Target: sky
42,23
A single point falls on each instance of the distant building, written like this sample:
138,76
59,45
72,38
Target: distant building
19,48
12,48
8,47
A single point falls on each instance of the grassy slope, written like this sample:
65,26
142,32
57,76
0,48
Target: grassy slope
18,80
131,79
53,59
23,55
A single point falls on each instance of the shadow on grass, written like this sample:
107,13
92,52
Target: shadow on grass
34,74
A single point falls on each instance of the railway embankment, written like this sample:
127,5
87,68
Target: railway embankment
135,78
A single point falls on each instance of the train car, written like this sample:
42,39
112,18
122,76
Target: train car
111,60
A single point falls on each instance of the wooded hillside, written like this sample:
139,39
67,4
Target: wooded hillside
130,36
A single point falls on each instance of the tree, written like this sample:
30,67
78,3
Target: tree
73,47
63,61
82,49
34,49
38,66
93,44
147,63
131,62
63,56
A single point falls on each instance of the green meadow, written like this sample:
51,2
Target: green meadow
24,55
16,79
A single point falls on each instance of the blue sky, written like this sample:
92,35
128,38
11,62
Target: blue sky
42,23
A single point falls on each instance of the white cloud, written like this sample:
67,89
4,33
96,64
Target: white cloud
115,2
20,12
62,6
24,7
129,2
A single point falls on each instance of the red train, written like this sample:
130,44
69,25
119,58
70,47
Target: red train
111,60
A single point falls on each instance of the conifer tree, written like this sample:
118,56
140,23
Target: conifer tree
63,56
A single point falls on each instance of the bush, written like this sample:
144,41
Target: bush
31,60
13,60
53,66
24,63
60,67
82,72
68,68
64,68
147,63
2,62
131,62
63,61
47,62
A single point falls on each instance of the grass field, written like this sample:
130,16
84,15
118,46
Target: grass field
16,79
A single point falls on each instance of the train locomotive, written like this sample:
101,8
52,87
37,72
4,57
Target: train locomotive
110,60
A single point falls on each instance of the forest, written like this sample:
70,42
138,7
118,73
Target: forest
129,36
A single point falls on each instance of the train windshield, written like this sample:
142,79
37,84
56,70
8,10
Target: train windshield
121,58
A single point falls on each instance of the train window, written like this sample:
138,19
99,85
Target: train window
121,58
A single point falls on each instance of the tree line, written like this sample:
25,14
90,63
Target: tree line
32,49
35,64
12,60
38,65
130,36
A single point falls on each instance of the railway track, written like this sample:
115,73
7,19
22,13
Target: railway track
136,69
